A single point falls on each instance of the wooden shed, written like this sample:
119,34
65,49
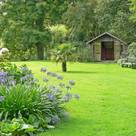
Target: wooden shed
106,47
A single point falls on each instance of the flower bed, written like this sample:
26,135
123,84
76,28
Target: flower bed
26,106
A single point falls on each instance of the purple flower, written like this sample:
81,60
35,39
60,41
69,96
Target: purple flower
51,87
53,74
49,73
68,87
72,82
67,97
56,90
3,77
27,77
55,119
1,98
76,96
3,74
50,96
60,77
24,68
62,85
43,69
45,79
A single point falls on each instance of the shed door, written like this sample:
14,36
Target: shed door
107,50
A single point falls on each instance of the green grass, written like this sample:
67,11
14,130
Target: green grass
108,100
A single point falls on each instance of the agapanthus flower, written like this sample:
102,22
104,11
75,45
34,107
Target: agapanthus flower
50,96
24,68
77,96
60,77
27,77
67,97
72,82
3,77
51,87
1,98
43,69
56,90
53,74
49,73
68,87
55,119
45,79
62,85
3,74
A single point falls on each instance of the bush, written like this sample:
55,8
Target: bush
130,60
16,127
4,54
22,96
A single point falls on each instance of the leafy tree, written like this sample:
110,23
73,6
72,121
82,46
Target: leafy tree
24,23
89,18
59,34
80,17
63,53
132,50
133,10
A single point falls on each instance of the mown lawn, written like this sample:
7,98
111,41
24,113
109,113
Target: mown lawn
108,100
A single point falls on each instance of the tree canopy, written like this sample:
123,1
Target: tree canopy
27,25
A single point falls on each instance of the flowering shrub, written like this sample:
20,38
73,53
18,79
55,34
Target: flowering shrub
4,54
41,106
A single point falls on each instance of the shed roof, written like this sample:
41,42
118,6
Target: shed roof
105,34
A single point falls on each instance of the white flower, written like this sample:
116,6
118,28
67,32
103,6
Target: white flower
4,13
4,50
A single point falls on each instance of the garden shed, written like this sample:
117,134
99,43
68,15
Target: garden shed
106,47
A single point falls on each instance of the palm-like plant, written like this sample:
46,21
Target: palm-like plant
63,53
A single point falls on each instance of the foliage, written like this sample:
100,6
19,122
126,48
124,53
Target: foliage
40,105
130,60
89,18
16,127
24,24
11,74
23,100
23,55
59,34
133,10
80,17
132,50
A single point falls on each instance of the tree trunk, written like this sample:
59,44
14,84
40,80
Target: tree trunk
40,51
64,66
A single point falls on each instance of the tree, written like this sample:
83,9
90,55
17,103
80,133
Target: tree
24,23
132,50
89,18
80,18
133,10
59,34
63,53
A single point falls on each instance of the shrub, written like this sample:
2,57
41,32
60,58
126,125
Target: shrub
24,100
21,95
4,54
130,60
10,74
16,127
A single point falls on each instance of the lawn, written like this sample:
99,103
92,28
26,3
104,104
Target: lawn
108,100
